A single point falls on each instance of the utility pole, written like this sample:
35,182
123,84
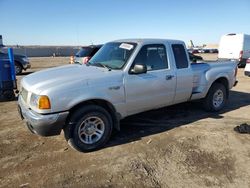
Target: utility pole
1,41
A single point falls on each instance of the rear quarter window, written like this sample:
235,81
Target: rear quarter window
180,56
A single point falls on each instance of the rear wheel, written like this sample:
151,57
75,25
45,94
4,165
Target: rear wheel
216,98
89,128
18,68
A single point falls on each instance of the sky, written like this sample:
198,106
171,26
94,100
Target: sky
84,22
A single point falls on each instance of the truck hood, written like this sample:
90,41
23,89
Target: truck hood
59,76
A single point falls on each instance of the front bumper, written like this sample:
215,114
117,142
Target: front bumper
43,125
27,66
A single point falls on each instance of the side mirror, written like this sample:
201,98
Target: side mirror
139,69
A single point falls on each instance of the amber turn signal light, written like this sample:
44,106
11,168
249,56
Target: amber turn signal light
44,102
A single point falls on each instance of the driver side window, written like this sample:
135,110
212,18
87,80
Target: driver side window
153,56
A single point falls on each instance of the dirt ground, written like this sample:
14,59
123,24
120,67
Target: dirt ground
177,146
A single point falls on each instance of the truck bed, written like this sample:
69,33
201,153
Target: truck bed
202,73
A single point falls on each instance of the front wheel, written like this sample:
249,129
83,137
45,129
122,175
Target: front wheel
89,128
216,98
18,68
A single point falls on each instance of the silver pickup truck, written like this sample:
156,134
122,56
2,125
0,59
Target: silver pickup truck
124,77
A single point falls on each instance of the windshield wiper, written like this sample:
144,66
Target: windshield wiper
101,65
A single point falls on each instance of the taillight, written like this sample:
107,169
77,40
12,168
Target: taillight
241,54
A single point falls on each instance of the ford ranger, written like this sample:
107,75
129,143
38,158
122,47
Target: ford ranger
123,78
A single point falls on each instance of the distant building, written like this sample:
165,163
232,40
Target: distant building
43,51
40,51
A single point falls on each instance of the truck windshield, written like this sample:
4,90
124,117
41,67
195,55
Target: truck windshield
113,55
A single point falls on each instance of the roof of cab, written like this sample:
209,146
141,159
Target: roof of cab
93,46
148,40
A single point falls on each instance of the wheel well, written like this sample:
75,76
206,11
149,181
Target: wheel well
224,82
103,103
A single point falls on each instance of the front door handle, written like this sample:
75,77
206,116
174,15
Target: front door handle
169,77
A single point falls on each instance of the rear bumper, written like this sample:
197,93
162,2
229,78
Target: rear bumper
40,124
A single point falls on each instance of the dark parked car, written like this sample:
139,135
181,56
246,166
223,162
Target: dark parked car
85,53
194,58
193,51
209,50
21,62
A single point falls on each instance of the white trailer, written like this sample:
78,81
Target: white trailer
235,47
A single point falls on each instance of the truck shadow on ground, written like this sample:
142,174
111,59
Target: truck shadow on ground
26,73
153,122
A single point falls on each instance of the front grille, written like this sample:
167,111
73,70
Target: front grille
24,94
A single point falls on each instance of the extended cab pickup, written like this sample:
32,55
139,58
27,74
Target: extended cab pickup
124,77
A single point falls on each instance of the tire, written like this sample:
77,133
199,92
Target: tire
18,68
89,128
216,98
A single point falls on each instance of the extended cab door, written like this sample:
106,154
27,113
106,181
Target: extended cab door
184,74
156,87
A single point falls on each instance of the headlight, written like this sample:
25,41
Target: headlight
34,100
25,59
40,101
